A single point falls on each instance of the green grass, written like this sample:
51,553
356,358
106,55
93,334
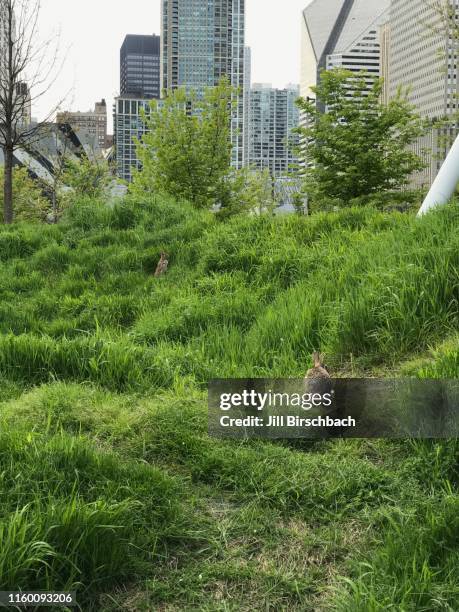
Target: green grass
73,517
109,483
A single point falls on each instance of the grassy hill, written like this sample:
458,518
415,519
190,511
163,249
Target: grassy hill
109,483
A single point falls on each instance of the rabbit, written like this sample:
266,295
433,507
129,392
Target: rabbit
318,381
162,265
319,370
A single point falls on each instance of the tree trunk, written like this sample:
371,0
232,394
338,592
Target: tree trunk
54,203
8,187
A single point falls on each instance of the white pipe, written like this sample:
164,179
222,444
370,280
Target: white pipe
445,184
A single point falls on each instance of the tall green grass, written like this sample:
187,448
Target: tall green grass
361,285
108,480
416,566
73,516
99,489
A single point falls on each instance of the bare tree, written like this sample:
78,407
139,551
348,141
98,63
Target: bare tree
28,69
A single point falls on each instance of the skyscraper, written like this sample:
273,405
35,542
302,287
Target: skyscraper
423,56
21,95
416,60
384,38
2,36
341,33
140,81
201,41
4,29
273,115
140,66
247,86
127,125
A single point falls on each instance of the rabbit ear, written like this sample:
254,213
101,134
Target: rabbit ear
316,359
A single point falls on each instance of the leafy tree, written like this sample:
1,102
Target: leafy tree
248,190
359,146
260,192
29,204
299,203
186,151
87,177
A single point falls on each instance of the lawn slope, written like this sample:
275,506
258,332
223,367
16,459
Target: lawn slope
109,484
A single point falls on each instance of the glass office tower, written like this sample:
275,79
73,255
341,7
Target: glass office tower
140,66
201,41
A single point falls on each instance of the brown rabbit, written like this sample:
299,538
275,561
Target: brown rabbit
318,380
162,265
319,370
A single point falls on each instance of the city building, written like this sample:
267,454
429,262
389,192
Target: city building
341,33
423,57
21,94
140,66
127,125
416,59
24,102
200,43
247,86
4,28
140,82
384,39
92,123
3,37
273,115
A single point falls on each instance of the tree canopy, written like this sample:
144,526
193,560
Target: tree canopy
358,146
29,203
186,150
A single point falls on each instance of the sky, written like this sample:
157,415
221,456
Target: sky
92,31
